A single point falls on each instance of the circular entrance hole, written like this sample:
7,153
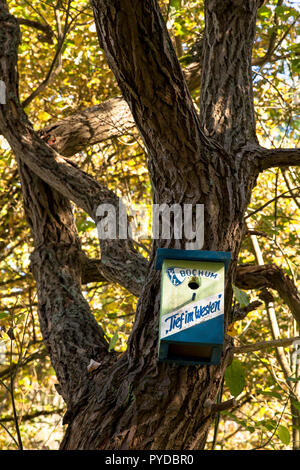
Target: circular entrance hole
194,284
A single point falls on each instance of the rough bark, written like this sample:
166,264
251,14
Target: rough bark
166,402
112,118
65,177
260,277
70,332
229,35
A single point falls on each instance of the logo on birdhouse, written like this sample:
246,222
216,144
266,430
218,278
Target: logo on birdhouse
175,276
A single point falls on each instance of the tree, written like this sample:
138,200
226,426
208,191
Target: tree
212,157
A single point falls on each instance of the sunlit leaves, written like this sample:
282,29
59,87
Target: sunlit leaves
283,434
235,377
113,341
241,296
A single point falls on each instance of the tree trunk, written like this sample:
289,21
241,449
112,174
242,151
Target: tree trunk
146,404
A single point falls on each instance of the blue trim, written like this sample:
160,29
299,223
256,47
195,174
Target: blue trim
209,333
214,359
192,255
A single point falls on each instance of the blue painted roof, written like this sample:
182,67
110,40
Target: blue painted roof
192,255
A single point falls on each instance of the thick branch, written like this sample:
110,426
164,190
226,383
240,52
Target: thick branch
91,126
71,334
259,277
141,55
282,158
112,118
226,102
130,275
45,28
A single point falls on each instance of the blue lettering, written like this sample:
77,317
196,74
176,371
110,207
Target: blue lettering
190,317
197,312
172,322
177,320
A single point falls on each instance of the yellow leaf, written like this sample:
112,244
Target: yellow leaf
232,331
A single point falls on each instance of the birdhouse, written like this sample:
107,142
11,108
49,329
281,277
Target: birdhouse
191,326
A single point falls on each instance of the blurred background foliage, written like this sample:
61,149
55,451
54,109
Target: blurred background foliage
64,63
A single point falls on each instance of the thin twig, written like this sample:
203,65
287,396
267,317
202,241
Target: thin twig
260,345
275,430
270,202
51,72
9,433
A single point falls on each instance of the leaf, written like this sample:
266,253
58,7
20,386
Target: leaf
10,333
264,12
3,315
43,116
271,394
241,296
235,378
108,300
293,379
265,424
283,434
296,404
93,365
113,341
175,4
232,331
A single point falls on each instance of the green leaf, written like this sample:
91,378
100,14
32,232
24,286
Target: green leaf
283,434
293,379
266,425
175,4
3,315
108,300
241,296
296,405
265,12
113,341
235,378
271,394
